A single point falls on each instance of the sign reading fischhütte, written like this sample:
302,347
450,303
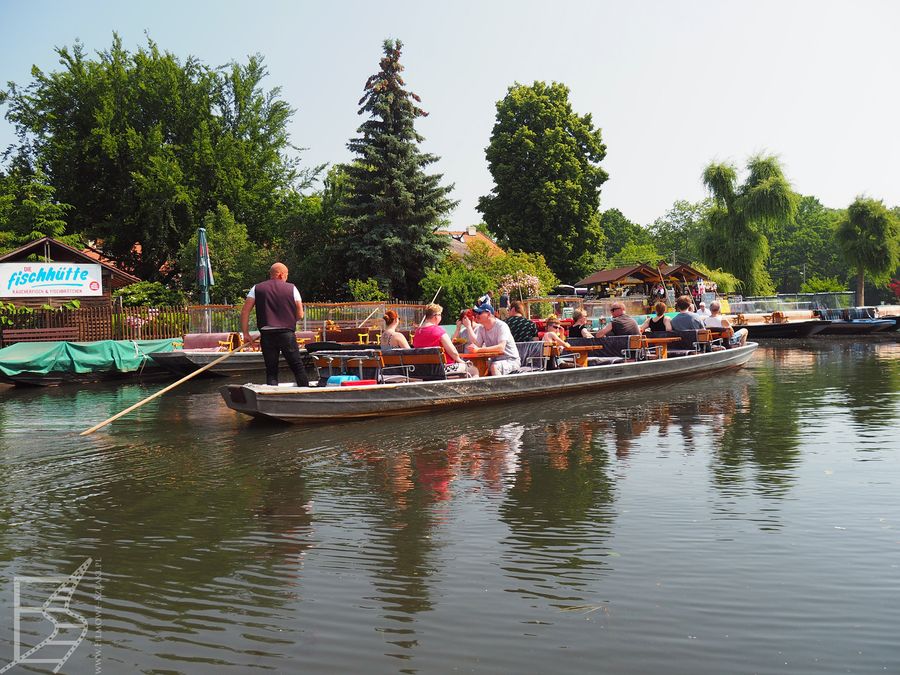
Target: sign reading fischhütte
30,279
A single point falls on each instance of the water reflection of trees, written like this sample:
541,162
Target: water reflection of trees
559,513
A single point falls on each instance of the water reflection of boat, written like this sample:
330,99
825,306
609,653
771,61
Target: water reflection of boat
316,404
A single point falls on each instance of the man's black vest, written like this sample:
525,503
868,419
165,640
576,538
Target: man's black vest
275,305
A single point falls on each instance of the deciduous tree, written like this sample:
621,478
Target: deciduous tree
869,237
143,144
545,161
740,216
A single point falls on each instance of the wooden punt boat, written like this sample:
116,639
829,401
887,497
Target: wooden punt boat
324,404
784,330
859,326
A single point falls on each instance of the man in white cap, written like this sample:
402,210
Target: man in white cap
494,334
702,312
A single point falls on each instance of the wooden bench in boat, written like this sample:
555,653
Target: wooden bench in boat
406,365
65,334
692,342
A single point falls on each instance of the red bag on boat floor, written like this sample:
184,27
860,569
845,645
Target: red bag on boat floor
357,383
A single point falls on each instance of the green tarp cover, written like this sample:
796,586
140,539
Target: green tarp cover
41,358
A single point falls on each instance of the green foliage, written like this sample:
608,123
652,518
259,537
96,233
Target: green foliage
459,285
366,291
725,282
544,160
806,247
142,145
466,279
28,210
392,207
237,263
619,232
633,254
822,285
149,294
869,237
9,310
680,233
740,217
315,241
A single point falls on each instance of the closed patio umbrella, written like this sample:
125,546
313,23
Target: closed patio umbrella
204,267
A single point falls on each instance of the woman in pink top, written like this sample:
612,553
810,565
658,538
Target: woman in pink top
430,334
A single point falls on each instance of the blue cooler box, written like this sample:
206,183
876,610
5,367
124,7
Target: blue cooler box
336,380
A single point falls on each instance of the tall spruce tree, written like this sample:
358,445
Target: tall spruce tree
392,207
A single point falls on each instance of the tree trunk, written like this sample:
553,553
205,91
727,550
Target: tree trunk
860,287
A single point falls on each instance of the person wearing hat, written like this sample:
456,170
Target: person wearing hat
702,312
495,334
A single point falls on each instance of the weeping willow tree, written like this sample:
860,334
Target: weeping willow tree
869,236
740,217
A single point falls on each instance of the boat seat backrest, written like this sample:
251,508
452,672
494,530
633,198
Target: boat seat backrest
529,351
424,363
611,345
212,341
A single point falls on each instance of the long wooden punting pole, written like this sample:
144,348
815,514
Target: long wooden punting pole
165,389
432,302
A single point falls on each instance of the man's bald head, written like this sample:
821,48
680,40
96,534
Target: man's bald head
278,271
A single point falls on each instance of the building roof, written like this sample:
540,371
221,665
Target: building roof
461,242
633,274
680,272
57,251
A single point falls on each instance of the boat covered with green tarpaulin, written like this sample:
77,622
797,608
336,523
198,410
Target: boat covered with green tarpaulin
52,363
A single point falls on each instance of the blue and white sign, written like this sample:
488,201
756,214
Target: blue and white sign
30,279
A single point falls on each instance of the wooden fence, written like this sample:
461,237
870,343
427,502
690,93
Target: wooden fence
152,323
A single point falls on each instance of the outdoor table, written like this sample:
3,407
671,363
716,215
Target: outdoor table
482,360
662,342
582,351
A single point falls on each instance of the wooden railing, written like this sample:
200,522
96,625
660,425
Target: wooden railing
152,323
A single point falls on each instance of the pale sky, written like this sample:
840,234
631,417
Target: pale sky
672,84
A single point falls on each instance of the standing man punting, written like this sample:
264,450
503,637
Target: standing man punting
278,308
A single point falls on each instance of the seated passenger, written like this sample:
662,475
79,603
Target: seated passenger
621,323
716,320
495,334
430,334
658,323
521,327
464,333
684,320
551,334
390,337
579,327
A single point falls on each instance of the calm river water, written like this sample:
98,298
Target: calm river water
746,524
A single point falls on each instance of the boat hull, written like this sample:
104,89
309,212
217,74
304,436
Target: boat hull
325,404
788,330
185,362
859,327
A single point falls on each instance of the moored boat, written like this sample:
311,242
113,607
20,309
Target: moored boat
785,330
54,363
323,404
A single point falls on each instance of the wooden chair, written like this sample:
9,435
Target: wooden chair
637,349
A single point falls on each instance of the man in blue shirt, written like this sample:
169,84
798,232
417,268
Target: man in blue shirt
684,320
